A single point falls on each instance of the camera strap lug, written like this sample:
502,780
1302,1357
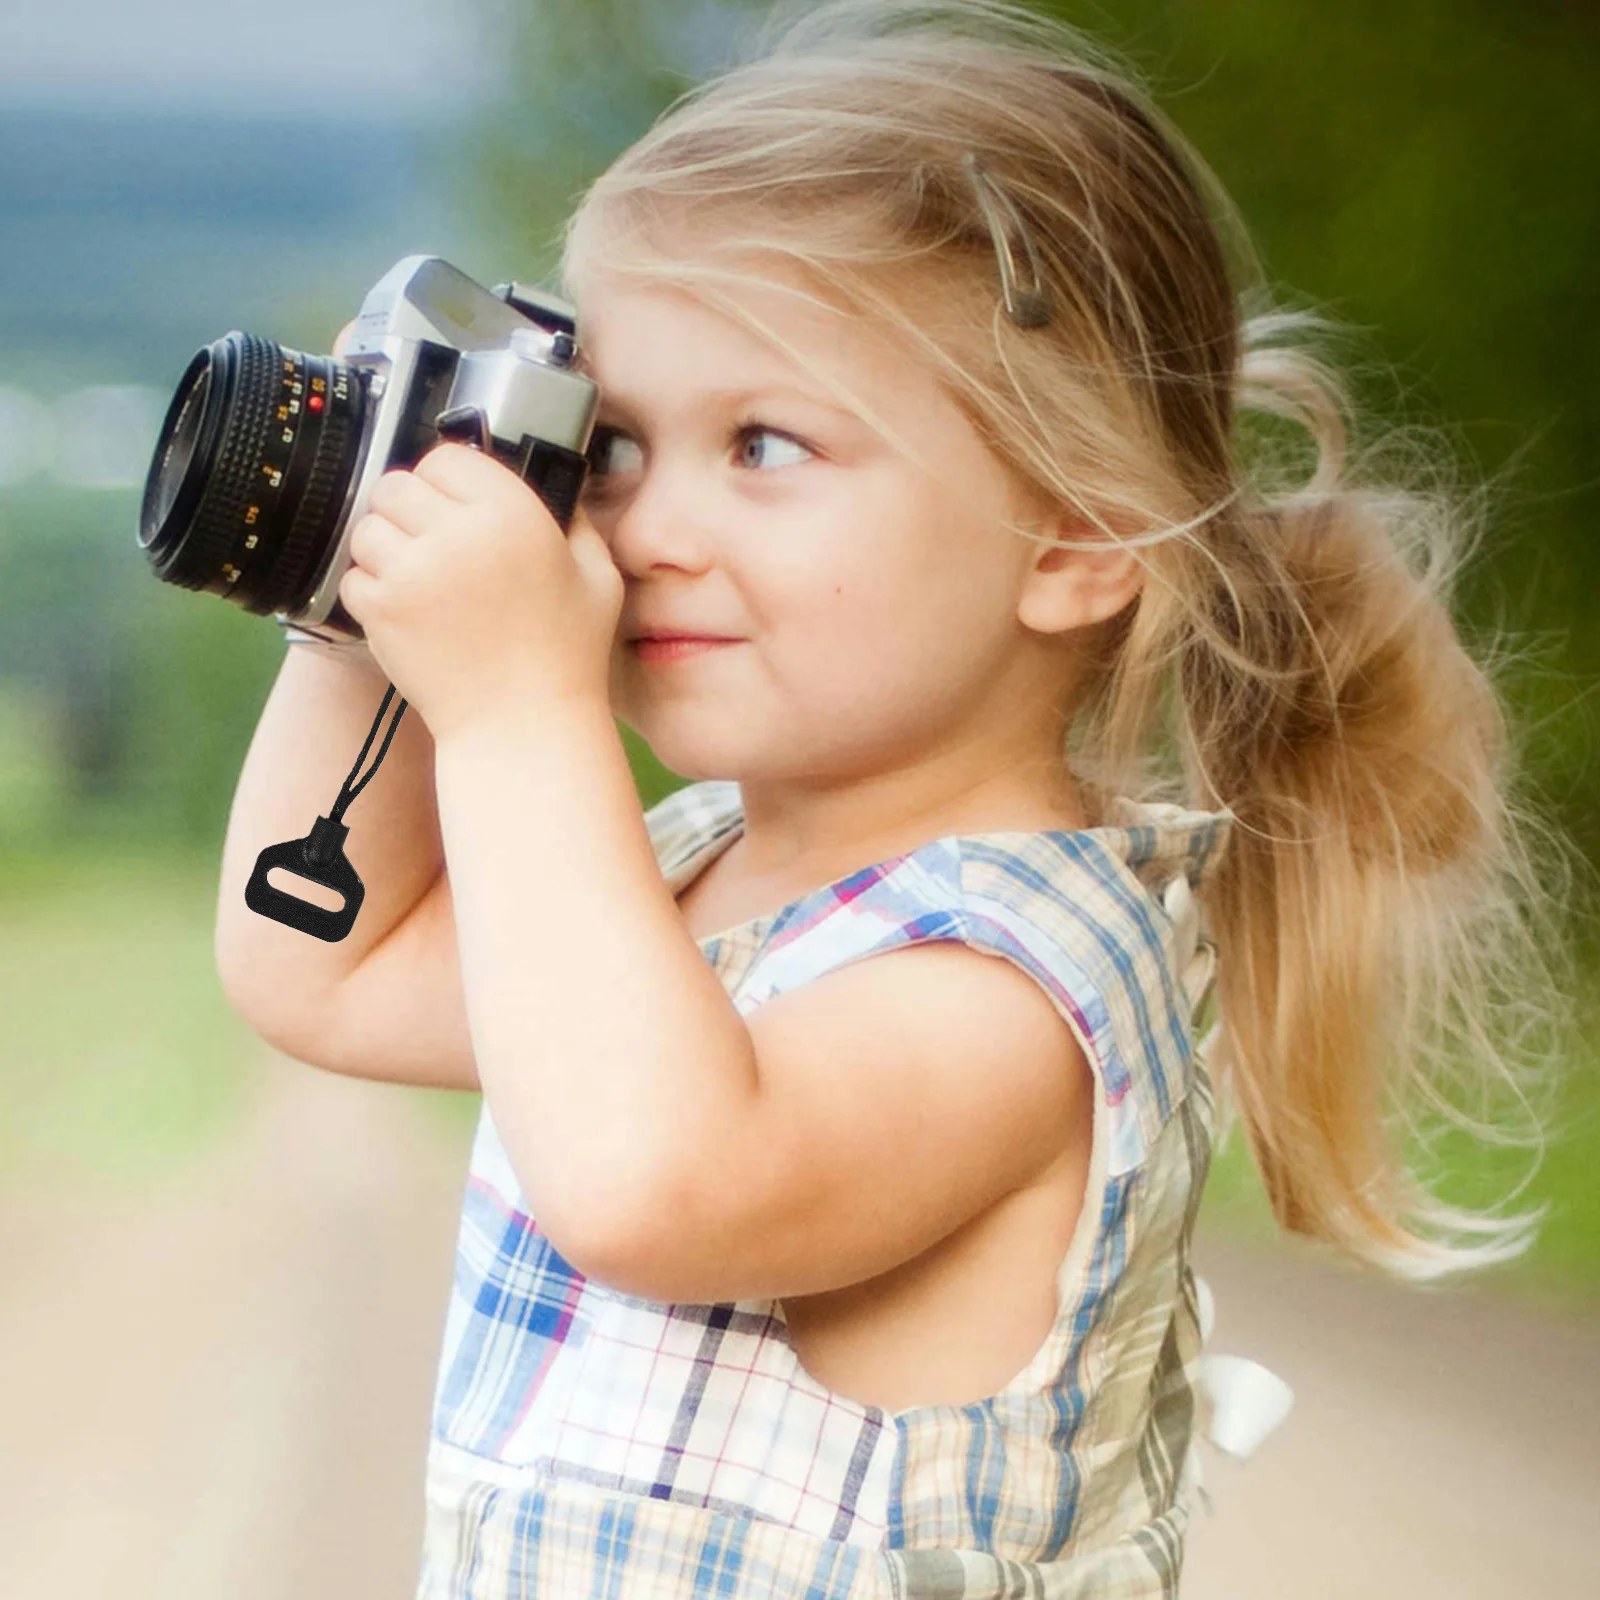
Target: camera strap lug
466,425
319,857
548,310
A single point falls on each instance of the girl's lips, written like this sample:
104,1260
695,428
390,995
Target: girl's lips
676,648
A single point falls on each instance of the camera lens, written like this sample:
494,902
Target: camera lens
250,472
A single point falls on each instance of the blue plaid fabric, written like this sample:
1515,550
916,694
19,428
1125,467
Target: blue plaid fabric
589,1444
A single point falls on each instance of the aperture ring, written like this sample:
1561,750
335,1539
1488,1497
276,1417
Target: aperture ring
310,535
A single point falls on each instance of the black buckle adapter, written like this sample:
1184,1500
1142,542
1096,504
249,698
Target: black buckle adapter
320,856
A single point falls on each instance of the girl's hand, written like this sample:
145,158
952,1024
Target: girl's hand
472,599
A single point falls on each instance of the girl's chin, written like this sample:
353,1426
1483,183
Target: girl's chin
681,741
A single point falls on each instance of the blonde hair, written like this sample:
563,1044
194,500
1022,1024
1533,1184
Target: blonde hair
1388,909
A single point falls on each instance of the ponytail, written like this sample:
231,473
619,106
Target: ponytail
1387,913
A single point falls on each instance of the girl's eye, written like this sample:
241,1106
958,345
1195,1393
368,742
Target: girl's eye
601,452
756,431
613,452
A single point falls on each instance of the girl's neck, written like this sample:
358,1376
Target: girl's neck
820,834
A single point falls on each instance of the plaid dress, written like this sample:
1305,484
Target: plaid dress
588,1445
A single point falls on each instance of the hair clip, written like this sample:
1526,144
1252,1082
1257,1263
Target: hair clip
1029,305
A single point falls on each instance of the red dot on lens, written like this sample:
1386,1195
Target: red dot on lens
315,402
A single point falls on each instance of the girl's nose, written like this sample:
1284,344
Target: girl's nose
658,523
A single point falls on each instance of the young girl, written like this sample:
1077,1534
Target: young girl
921,539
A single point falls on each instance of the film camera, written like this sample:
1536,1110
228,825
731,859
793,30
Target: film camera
267,457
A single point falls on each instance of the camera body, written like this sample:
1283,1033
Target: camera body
268,457
430,343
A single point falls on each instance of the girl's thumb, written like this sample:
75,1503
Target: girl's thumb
593,555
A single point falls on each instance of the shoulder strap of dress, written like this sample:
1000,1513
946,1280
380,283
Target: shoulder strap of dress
1066,908
688,820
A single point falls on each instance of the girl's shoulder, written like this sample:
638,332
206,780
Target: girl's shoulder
1105,919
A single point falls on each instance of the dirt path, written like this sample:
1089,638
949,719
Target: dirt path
223,1390
1442,1443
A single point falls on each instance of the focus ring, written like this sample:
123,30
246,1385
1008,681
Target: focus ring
231,486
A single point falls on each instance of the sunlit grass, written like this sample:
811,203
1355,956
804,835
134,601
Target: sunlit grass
121,1060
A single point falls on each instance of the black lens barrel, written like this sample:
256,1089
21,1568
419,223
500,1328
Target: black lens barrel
250,472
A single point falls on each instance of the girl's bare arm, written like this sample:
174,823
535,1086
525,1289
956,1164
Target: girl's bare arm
386,1001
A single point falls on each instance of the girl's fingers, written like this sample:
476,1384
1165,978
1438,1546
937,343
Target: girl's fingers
407,501
470,476
372,538
352,591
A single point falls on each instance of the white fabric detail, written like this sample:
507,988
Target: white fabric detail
1240,1401
1194,955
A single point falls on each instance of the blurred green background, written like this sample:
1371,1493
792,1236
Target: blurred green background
1426,173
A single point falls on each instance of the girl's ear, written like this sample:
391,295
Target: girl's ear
1066,586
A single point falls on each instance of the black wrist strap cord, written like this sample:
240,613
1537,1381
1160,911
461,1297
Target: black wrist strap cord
320,855
352,789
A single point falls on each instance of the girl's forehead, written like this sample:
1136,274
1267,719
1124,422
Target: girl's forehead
613,311
626,326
